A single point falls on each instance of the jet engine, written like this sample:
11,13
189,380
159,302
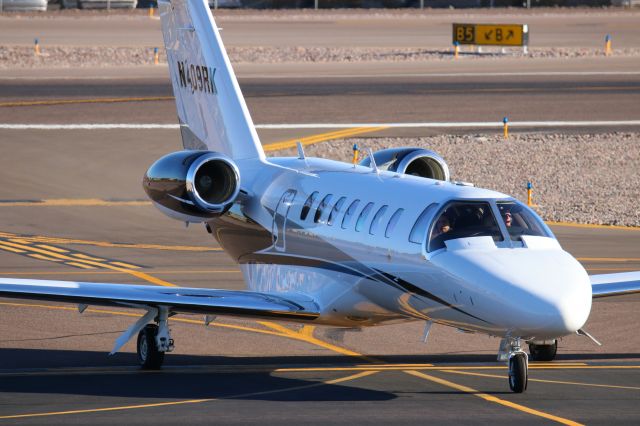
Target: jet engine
193,186
411,161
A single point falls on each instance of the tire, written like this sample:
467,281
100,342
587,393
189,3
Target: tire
518,376
149,357
543,352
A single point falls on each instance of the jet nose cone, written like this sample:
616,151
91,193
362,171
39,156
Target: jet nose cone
530,293
553,294
565,304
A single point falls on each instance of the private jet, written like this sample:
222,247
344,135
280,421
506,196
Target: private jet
387,240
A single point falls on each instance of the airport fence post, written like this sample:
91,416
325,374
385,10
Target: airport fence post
505,123
36,47
421,4
456,49
156,56
355,154
315,4
215,4
607,45
529,194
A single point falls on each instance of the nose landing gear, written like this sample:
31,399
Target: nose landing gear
518,372
518,363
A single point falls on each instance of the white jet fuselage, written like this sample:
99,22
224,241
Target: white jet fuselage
367,268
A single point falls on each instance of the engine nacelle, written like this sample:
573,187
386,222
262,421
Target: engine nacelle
193,186
411,161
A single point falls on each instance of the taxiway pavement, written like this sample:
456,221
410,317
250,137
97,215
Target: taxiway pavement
72,208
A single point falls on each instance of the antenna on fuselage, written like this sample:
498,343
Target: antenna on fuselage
374,166
300,150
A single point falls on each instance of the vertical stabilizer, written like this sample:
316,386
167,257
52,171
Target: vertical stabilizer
212,112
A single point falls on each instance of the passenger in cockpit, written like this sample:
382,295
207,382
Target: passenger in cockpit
508,220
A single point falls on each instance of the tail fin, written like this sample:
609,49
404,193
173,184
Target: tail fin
212,112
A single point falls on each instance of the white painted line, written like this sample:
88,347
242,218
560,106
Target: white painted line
452,125
311,75
87,126
441,75
471,124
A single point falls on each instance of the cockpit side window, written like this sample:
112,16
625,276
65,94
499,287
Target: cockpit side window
419,230
520,221
463,219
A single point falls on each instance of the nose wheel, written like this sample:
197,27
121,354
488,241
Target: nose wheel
518,363
518,372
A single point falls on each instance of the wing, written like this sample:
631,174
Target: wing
175,299
606,285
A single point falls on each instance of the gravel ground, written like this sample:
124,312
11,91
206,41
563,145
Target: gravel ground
73,57
584,178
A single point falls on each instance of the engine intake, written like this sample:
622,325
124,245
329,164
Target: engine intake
193,186
411,161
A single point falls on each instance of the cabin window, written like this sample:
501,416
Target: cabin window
377,218
464,219
519,220
363,217
307,205
349,213
322,207
393,222
336,210
419,230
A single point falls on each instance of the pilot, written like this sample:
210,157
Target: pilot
442,226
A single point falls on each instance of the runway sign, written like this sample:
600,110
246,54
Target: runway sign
489,34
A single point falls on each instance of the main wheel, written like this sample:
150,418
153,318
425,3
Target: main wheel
543,352
518,376
149,357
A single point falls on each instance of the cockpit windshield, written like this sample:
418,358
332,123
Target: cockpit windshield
520,221
463,219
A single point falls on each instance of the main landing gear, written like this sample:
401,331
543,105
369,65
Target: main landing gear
543,351
518,362
153,341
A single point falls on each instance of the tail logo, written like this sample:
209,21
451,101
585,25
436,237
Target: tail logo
197,77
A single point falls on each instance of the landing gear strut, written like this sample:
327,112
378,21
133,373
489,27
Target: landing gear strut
543,351
153,341
518,363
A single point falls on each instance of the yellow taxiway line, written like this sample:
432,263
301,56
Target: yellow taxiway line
492,398
191,401
50,255
322,137
86,101
60,240
494,376
593,226
73,202
102,272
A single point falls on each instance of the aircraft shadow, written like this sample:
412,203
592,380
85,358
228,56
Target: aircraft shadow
88,373
68,372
